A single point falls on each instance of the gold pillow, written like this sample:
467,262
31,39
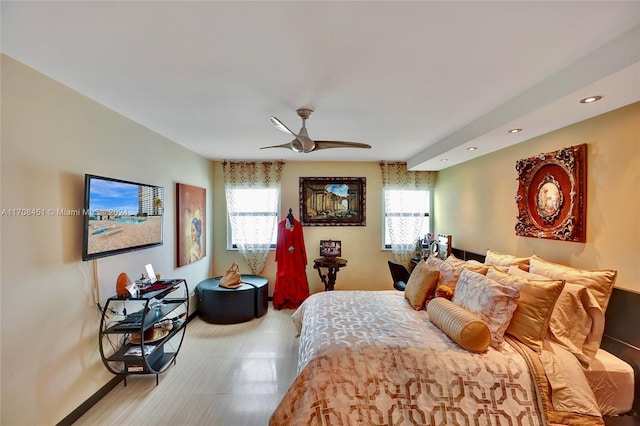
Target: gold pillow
577,321
535,306
421,284
499,259
464,328
600,283
471,265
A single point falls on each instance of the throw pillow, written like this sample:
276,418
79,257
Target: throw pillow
535,306
448,273
492,302
474,266
464,328
421,284
576,322
499,259
600,283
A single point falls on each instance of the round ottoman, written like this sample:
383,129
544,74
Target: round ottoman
221,305
261,284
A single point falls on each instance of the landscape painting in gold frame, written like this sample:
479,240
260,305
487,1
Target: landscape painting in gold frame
551,198
333,201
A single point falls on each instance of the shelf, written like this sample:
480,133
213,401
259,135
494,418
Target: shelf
120,356
144,313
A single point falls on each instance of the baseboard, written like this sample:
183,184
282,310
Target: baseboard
93,400
86,406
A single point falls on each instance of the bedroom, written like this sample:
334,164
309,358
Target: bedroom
45,285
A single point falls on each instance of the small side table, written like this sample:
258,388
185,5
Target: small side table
261,285
333,265
219,305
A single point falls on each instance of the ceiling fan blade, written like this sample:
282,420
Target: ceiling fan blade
284,145
280,126
294,145
340,144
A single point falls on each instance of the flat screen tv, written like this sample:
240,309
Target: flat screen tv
120,216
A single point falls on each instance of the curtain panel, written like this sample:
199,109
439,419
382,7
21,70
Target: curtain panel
402,221
252,237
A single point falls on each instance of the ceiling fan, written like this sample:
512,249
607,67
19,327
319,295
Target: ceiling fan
302,142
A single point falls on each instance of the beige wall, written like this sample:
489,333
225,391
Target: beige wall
361,245
475,201
51,137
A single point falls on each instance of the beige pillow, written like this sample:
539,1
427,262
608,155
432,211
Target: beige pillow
492,302
448,273
535,306
515,270
576,322
464,328
421,284
471,265
499,259
600,283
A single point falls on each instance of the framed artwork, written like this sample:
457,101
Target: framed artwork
551,198
330,248
333,201
191,216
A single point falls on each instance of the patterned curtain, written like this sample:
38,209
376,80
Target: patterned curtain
252,236
405,224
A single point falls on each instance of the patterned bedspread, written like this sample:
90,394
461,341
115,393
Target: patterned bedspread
367,358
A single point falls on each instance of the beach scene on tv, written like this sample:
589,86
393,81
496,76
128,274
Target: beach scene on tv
123,215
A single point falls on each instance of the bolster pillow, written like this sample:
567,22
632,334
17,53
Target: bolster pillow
464,328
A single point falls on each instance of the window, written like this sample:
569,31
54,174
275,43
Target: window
408,211
256,209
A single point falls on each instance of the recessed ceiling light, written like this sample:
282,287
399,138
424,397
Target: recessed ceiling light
472,148
590,99
515,130
444,159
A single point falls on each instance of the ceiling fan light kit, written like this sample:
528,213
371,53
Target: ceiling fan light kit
302,142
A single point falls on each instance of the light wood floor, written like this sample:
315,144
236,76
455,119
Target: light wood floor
225,375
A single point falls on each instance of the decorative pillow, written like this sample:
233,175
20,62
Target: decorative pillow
535,305
600,283
464,328
471,265
515,270
444,291
492,302
577,321
421,284
499,259
448,273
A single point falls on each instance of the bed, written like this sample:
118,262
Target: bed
370,357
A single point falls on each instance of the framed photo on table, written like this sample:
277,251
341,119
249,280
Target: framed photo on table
333,201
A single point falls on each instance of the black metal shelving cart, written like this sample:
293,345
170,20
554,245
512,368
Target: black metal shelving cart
142,335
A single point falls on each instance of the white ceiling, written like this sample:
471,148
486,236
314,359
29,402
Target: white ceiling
418,81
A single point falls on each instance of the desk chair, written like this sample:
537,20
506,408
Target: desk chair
400,275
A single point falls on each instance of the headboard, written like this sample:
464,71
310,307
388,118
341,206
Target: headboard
467,255
621,335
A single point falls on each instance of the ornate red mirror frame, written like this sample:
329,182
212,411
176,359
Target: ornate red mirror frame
552,192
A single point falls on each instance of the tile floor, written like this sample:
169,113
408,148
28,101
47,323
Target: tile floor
225,375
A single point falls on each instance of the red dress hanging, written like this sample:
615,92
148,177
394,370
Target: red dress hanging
291,287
